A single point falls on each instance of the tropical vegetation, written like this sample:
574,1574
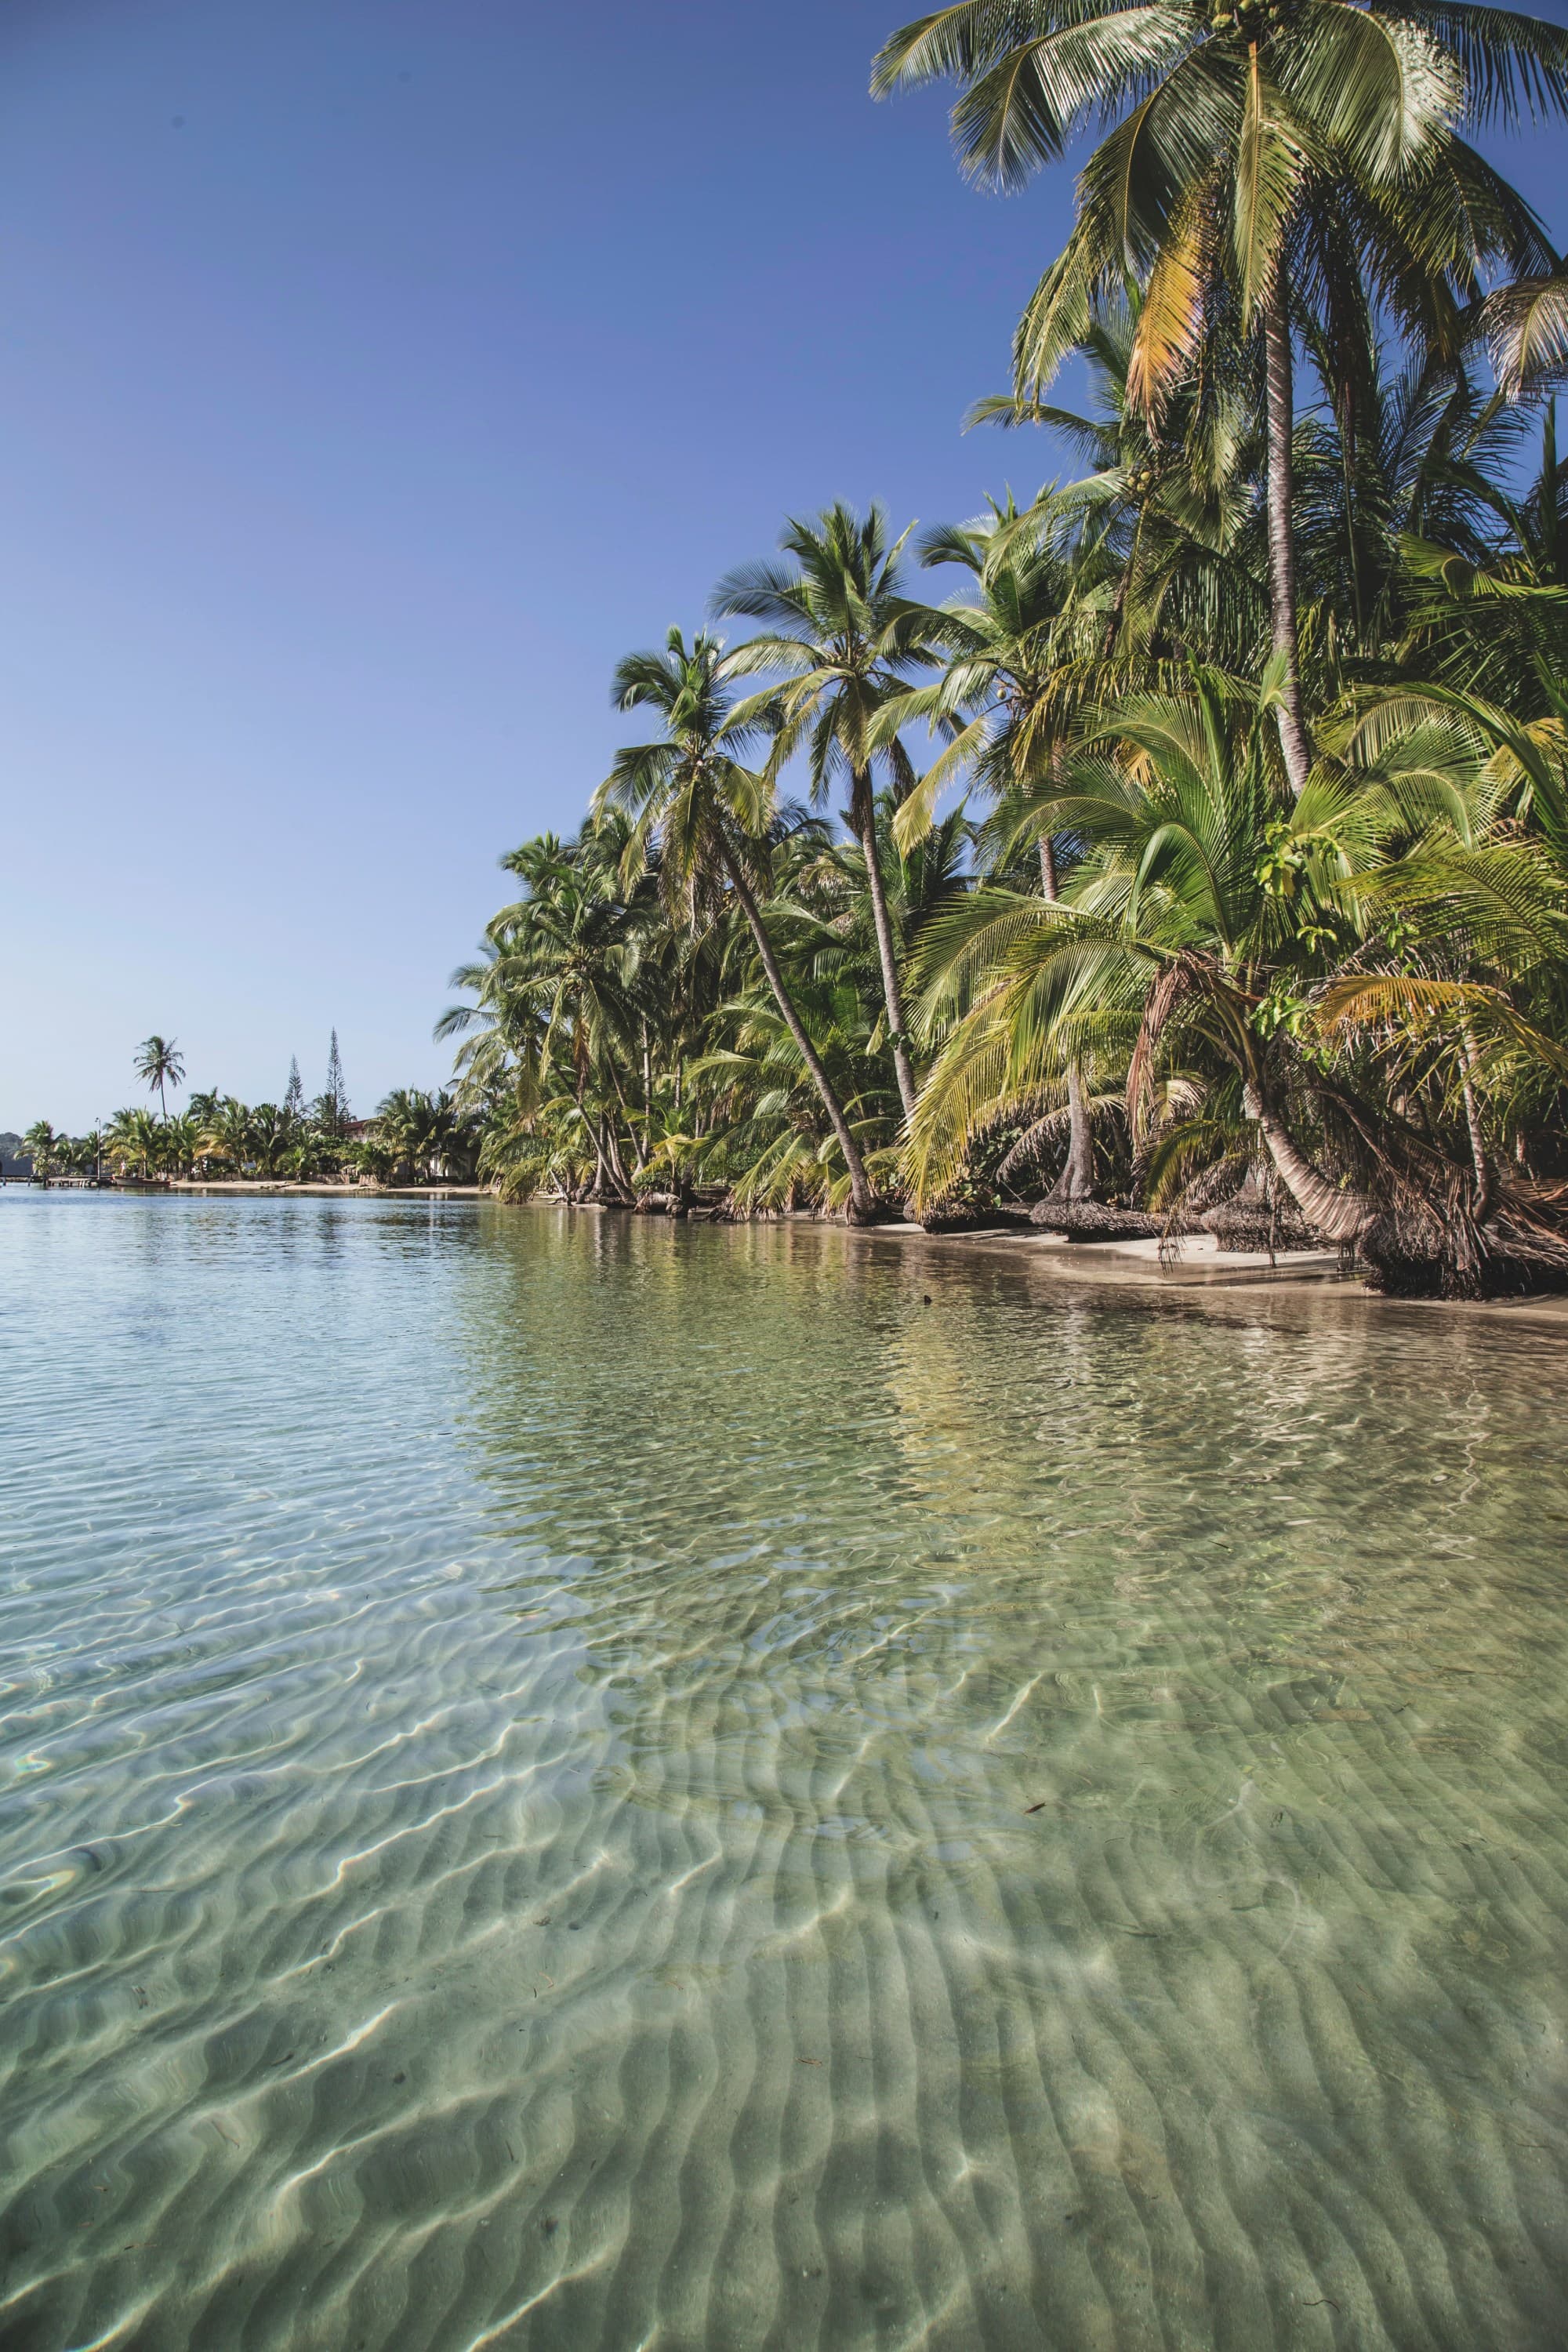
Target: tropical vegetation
1202,857
1184,847
414,1137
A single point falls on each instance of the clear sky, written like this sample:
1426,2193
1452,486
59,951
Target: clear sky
372,373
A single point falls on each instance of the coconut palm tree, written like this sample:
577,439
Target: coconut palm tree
160,1064
839,627
229,1135
1485,582
87,1153
1006,699
135,1138
1526,325
1479,900
1165,555
1263,149
1170,928
181,1142
690,794
557,994
425,1132
270,1133
45,1146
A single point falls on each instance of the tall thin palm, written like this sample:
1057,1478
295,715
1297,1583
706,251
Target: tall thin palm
1256,141
160,1064
1005,696
847,638
692,794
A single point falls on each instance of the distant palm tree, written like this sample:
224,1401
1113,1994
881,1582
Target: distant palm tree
424,1131
271,1133
181,1142
44,1144
159,1063
81,1154
227,1134
135,1137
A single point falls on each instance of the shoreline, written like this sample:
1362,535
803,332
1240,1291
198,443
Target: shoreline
1194,1273
1190,1268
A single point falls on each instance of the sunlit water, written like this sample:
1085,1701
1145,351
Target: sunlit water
570,1783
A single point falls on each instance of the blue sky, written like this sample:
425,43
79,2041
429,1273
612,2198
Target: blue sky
373,374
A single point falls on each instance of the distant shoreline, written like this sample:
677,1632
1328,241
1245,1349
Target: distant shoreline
332,1192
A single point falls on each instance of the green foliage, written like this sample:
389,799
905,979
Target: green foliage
1238,864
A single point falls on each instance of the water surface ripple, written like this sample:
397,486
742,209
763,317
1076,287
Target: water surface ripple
568,1783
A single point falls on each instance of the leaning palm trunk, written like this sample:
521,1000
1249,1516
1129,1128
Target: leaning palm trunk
862,1203
1482,1201
1341,1216
893,993
614,1164
1076,1182
1294,740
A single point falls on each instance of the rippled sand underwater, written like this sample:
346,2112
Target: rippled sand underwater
567,1783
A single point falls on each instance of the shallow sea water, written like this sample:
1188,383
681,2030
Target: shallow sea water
572,1783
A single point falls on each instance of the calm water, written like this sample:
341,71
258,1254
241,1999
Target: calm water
574,1784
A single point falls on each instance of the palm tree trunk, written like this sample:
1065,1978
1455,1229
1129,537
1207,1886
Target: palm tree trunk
1294,740
891,991
646,1095
862,1198
631,1125
1482,1201
1076,1182
1077,1175
1342,1216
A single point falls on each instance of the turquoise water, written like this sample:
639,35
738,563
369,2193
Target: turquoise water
575,1783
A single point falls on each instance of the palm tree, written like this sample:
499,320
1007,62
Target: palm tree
1006,697
423,1131
87,1153
1483,580
691,794
1171,928
44,1145
229,1135
1478,902
1161,534
270,1135
1266,150
557,994
135,1137
1526,324
159,1063
181,1142
846,637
